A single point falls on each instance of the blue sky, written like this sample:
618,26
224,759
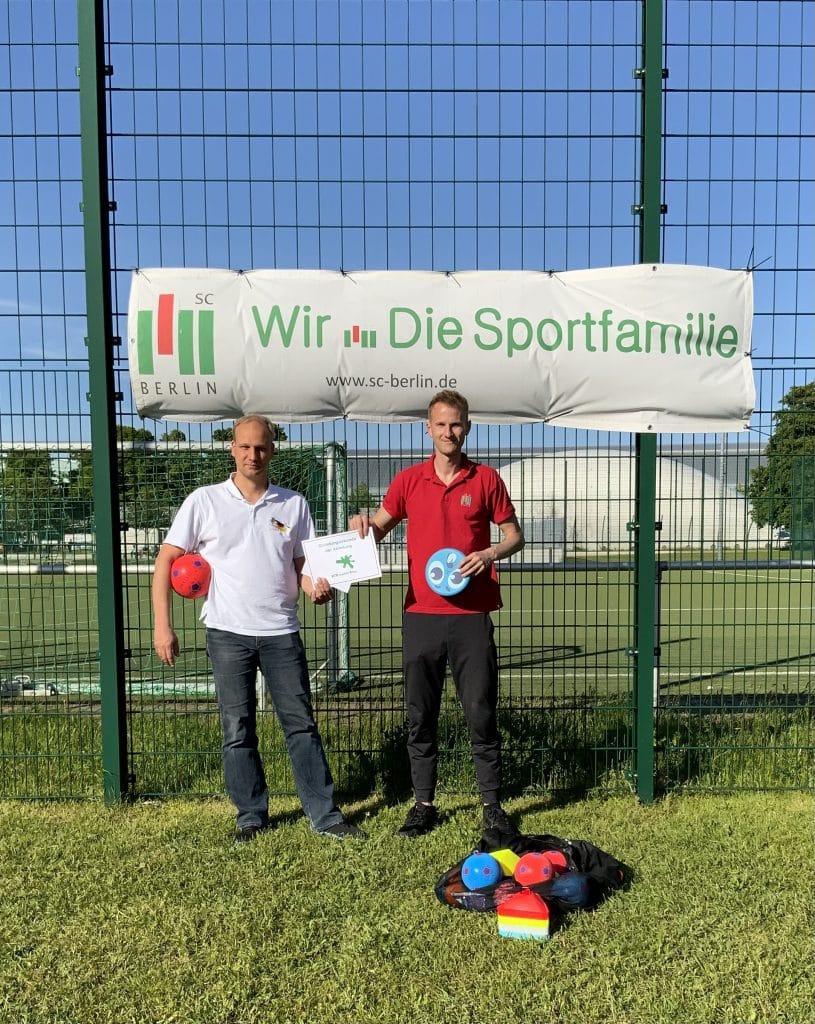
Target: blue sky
362,135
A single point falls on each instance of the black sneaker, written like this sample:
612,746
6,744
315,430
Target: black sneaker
421,819
497,822
342,830
246,833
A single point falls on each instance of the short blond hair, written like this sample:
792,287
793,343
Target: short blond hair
450,397
264,421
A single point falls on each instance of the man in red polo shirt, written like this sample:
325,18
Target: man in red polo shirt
450,501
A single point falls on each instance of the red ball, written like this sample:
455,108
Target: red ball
533,869
558,861
190,575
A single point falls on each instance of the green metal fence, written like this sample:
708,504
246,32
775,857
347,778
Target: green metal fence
657,629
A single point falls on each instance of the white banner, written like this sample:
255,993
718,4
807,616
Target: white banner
657,348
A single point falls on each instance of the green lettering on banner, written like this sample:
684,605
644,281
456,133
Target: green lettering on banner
527,333
544,344
592,332
605,322
275,321
628,329
449,332
589,323
710,334
321,320
417,327
695,331
650,325
571,325
728,341
479,320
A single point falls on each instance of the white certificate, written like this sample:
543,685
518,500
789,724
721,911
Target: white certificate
342,559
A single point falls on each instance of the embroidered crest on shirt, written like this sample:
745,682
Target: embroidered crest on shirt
280,527
466,499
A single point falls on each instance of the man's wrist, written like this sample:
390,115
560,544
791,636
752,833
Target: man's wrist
494,552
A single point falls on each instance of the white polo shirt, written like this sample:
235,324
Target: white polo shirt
251,549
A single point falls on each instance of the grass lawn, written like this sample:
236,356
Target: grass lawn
735,686
559,633
147,913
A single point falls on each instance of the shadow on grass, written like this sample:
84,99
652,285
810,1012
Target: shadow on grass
735,670
565,753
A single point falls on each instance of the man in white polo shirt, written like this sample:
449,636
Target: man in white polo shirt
251,532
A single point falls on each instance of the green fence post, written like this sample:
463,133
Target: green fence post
650,211
340,676
95,206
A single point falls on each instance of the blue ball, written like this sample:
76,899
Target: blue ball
571,887
480,871
441,572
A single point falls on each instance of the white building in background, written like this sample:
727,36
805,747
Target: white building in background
574,501
136,544
141,544
592,493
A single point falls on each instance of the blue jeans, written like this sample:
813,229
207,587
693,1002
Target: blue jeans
235,659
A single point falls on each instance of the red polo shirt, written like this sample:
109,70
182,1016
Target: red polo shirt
455,515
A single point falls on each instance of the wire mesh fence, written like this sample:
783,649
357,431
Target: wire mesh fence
440,136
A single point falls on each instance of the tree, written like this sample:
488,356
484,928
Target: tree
225,433
124,433
770,487
360,497
174,435
31,505
78,490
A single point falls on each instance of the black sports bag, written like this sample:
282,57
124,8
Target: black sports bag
592,876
